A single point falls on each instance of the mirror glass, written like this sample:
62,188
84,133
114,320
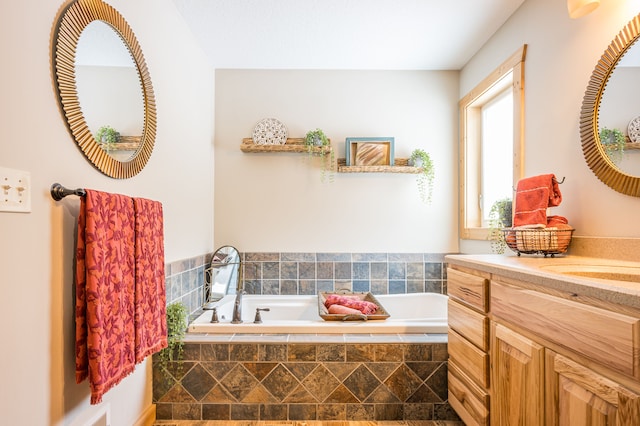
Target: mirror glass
109,89
103,81
222,276
609,123
620,110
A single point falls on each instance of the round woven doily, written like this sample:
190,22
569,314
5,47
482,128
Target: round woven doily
270,132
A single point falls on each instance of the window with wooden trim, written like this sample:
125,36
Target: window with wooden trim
491,144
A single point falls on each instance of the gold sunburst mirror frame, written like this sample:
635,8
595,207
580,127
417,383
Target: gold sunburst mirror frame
593,150
72,22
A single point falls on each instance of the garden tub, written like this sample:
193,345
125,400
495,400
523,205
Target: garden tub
293,314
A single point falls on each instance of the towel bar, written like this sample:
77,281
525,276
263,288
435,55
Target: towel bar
58,192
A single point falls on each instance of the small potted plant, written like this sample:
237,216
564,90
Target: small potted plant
421,159
107,137
500,216
317,139
176,328
613,141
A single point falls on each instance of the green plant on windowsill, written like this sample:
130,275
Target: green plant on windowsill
107,137
317,139
421,159
176,328
500,216
613,141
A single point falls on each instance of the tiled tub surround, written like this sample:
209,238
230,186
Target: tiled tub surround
320,377
184,281
310,273
281,377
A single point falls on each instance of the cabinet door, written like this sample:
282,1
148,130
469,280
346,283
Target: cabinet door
584,397
517,390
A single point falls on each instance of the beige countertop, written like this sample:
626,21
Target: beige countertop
532,270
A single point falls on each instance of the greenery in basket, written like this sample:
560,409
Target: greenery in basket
613,141
420,158
176,328
500,216
107,137
314,139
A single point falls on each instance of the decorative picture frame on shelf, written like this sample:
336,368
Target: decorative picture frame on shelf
369,151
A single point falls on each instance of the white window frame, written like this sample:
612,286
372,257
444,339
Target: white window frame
509,72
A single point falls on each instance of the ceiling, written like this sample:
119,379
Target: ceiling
343,34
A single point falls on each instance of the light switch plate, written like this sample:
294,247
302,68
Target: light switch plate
15,190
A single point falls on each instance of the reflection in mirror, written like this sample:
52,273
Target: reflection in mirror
78,15
620,110
613,110
109,88
222,276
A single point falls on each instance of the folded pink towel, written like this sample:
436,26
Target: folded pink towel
533,196
363,306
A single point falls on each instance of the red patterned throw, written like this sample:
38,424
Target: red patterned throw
150,302
120,294
105,291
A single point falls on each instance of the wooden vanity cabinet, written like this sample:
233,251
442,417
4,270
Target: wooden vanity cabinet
469,373
517,392
552,358
577,395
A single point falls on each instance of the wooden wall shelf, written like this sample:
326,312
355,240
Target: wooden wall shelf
632,145
292,145
126,143
400,166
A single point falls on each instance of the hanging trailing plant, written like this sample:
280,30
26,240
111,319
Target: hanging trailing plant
421,159
176,328
314,139
500,216
613,141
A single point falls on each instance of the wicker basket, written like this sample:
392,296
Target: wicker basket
547,241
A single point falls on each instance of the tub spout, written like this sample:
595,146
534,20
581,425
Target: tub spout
237,308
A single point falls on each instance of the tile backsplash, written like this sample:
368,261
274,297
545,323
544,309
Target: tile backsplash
310,273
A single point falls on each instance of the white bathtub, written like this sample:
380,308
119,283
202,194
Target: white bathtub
408,313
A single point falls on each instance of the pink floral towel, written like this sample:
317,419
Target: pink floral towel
105,291
150,306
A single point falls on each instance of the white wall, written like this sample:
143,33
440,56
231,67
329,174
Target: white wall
36,249
277,202
561,55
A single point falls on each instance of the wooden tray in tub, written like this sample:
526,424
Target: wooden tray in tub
380,314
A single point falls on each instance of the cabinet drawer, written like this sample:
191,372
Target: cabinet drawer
469,401
471,360
469,289
609,338
469,324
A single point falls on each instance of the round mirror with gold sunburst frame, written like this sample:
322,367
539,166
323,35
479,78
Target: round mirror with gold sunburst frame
72,22
593,150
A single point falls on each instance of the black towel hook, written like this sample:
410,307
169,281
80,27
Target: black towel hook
58,192
559,182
